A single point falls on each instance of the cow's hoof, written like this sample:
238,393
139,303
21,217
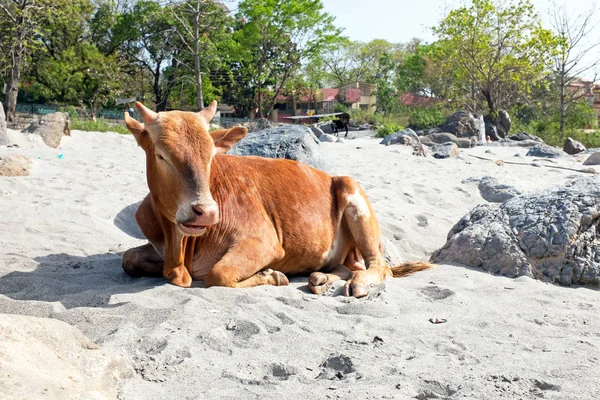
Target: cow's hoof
279,278
356,286
318,282
180,277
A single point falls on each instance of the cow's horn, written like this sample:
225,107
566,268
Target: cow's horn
209,112
148,116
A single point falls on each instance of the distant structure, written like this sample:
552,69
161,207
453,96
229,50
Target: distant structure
589,91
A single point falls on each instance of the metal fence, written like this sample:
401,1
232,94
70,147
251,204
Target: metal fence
43,109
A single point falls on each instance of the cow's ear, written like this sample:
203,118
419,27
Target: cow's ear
136,128
225,138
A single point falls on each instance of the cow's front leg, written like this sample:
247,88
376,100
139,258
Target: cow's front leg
174,269
245,265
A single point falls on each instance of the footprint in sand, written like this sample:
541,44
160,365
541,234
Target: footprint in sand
436,293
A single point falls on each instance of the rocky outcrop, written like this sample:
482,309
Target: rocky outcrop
543,150
503,124
524,136
406,137
444,137
327,138
461,124
594,159
572,146
293,142
495,192
550,235
51,127
14,165
445,150
45,358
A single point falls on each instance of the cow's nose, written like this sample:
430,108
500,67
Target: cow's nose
206,213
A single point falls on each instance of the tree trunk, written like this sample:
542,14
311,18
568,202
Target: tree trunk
563,101
490,103
159,99
12,87
197,75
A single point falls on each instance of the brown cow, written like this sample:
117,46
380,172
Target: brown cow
247,221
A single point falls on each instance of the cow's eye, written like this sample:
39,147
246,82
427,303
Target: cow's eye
160,157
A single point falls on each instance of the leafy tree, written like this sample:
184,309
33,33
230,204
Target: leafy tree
276,37
499,51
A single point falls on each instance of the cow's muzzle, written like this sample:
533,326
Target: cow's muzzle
202,216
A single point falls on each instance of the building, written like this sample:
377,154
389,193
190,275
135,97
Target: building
589,91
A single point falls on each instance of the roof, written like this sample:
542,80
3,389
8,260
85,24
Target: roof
313,116
411,99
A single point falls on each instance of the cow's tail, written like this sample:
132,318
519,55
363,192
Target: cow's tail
409,268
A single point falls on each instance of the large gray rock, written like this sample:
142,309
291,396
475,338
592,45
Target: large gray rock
292,142
503,123
461,124
495,192
316,130
445,150
327,138
3,135
444,137
572,146
594,159
51,127
543,150
407,137
524,136
550,235
14,165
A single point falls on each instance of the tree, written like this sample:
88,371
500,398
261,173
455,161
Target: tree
277,37
499,51
575,56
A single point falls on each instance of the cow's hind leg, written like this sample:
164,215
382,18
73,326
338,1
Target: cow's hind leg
320,282
142,261
364,228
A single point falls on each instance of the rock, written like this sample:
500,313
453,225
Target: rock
407,137
572,146
503,123
445,150
51,127
47,358
491,130
444,137
551,235
365,127
14,165
325,127
494,192
543,150
420,150
3,135
521,136
594,159
293,142
461,124
327,138
512,143
316,130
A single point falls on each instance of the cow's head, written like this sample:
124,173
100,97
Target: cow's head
179,152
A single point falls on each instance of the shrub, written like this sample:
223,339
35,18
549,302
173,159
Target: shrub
388,129
425,118
101,125
339,107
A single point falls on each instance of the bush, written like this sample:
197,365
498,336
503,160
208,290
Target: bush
425,118
387,129
101,125
339,107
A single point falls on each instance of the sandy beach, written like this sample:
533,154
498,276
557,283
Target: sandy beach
65,227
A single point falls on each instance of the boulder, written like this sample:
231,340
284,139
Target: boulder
44,358
503,123
3,135
407,137
316,130
327,138
14,165
325,127
524,136
594,159
491,130
420,150
550,235
445,150
444,137
461,124
495,192
572,146
51,127
293,142
543,150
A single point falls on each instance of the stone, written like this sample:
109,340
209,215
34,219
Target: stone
293,142
491,130
420,150
594,159
316,130
543,150
3,134
551,235
44,358
14,165
503,124
494,192
444,137
572,146
445,150
524,136
407,137
51,127
327,138
461,124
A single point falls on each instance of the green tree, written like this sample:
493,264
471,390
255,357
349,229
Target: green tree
498,51
276,37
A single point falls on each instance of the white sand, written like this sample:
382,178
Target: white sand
511,338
